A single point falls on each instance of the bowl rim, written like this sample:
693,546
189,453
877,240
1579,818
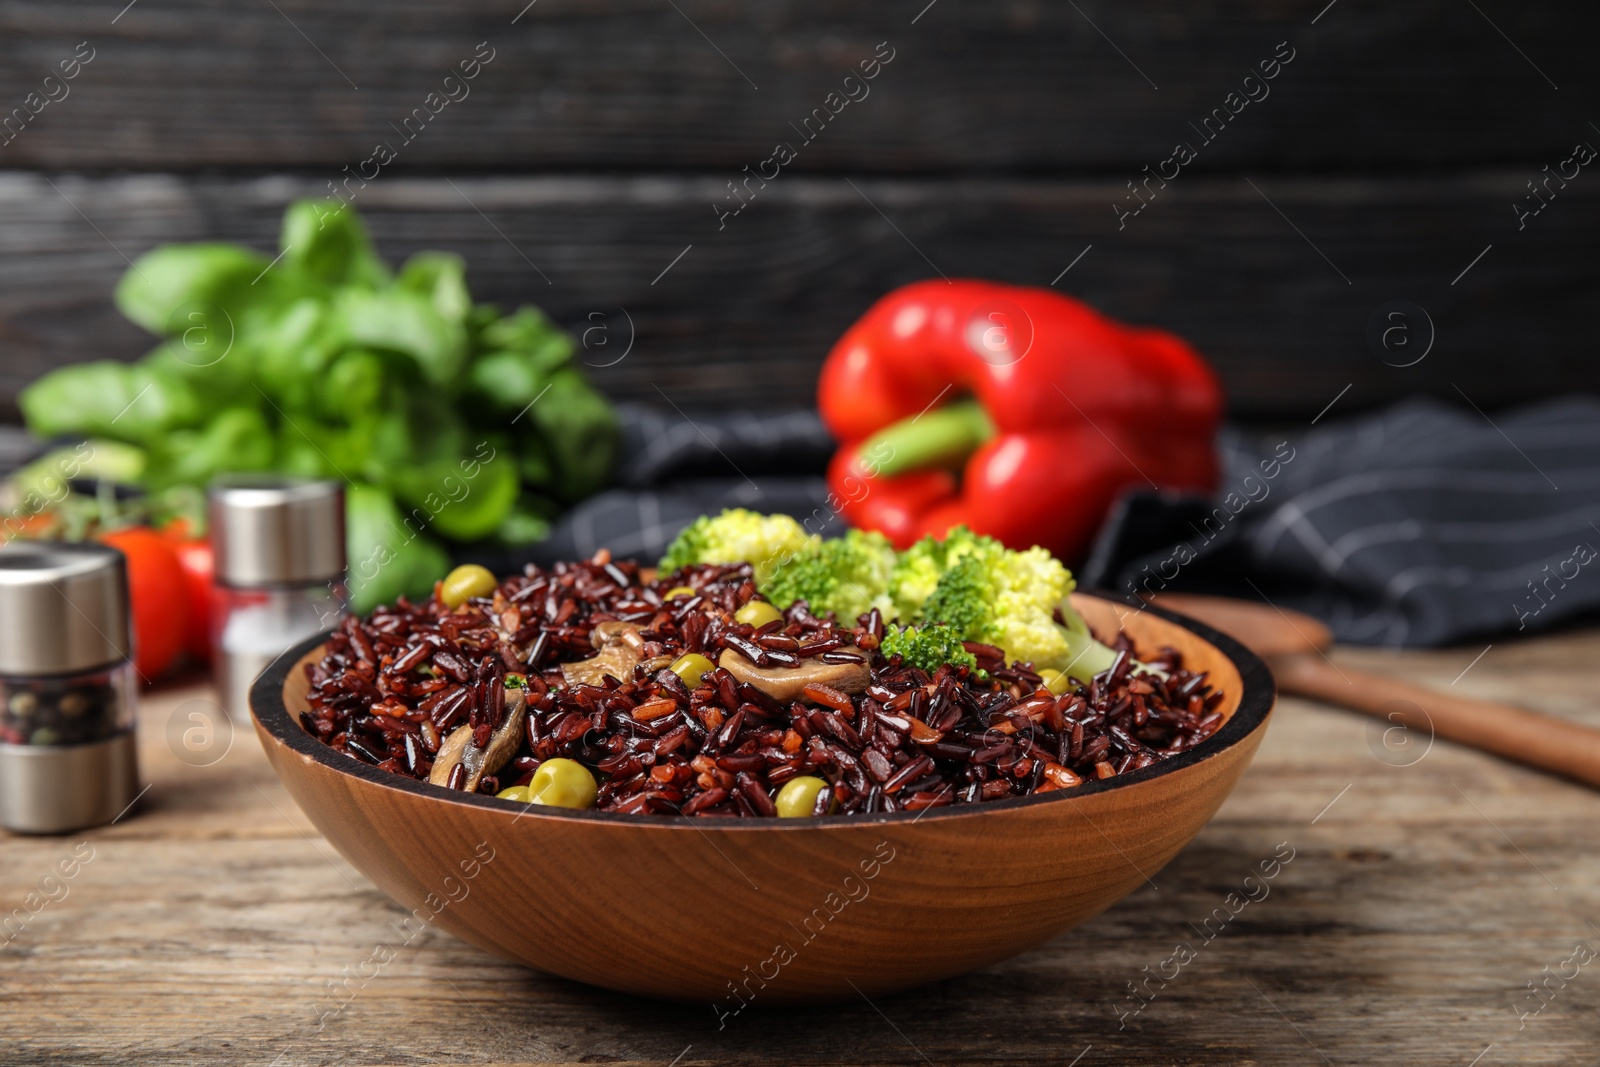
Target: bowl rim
1257,697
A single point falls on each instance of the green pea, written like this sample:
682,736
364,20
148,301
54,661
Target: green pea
757,613
677,591
465,582
691,667
563,783
519,793
1055,681
798,797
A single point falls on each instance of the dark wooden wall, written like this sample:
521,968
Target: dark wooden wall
591,148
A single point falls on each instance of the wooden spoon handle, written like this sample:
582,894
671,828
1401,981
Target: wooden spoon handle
1518,734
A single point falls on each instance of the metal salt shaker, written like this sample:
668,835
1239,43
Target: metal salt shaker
67,687
280,574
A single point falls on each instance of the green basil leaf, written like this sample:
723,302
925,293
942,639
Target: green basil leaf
388,559
326,240
441,278
580,432
463,499
123,401
236,440
180,288
400,321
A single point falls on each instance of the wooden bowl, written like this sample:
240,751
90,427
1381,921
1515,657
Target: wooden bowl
726,911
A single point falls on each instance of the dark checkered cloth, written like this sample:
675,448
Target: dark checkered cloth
1422,525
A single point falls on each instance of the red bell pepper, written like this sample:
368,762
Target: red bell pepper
1053,408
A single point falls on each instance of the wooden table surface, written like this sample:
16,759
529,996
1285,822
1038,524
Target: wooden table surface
1420,902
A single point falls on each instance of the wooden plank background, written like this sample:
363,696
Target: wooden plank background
593,145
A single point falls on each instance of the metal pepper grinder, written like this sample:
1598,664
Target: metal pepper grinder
280,574
67,687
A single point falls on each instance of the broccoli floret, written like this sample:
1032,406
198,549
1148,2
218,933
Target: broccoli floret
848,576
989,593
918,570
962,598
927,647
738,536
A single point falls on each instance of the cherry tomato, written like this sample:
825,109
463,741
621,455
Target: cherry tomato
198,564
159,590
194,553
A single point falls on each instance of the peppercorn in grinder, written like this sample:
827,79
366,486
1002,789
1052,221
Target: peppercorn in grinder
67,687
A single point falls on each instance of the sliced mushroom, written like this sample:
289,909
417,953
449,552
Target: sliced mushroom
606,633
458,748
784,683
655,663
619,644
